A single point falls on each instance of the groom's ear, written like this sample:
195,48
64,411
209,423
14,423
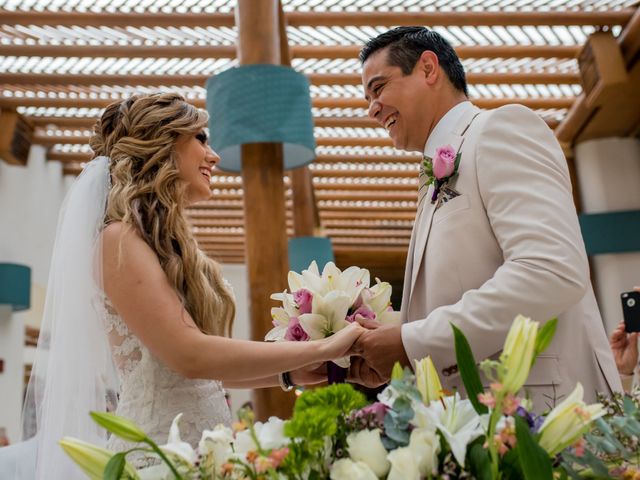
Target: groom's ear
428,66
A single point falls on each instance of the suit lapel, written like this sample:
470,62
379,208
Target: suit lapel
423,222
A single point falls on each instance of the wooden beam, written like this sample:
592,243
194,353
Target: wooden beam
299,19
297,51
46,79
352,102
324,122
262,175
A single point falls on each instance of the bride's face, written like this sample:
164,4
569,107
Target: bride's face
196,162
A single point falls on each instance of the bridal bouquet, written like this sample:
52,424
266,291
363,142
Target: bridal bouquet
415,430
319,305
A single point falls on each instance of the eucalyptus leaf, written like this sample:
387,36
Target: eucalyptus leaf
468,369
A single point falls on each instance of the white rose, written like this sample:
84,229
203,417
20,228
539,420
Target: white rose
270,435
347,469
404,465
366,446
424,443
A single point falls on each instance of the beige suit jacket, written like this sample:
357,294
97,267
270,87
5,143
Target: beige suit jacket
509,244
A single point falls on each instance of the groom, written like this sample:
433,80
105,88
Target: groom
494,237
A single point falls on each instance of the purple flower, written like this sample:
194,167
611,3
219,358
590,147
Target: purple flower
534,421
363,312
295,332
303,299
444,162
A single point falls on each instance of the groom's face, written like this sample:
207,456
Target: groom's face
398,102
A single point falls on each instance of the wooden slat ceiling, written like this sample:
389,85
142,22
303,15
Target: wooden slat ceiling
62,61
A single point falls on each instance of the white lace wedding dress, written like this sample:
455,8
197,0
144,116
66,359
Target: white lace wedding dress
152,395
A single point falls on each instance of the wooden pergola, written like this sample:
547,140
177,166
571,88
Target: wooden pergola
59,67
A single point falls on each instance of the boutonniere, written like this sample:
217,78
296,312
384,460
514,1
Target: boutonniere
441,168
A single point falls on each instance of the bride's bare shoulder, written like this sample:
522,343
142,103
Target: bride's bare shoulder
124,242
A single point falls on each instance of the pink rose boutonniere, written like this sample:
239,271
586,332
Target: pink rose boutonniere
442,167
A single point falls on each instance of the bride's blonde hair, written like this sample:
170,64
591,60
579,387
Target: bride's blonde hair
139,135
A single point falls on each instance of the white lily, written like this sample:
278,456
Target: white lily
288,303
378,297
455,418
280,323
329,315
568,421
175,446
217,444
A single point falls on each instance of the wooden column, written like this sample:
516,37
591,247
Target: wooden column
264,199
306,220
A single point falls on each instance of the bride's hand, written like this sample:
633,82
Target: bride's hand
340,344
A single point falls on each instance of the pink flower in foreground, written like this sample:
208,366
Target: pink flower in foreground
303,299
444,162
295,332
487,399
277,456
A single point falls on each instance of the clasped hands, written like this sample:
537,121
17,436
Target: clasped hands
373,356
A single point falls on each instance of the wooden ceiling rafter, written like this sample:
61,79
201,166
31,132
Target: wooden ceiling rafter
297,51
601,18
50,79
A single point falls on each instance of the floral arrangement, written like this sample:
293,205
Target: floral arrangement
415,430
320,305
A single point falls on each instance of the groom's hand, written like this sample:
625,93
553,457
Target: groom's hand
360,372
381,348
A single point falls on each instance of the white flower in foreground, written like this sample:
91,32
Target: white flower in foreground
347,469
175,446
217,442
568,421
456,419
404,465
366,446
270,435
425,445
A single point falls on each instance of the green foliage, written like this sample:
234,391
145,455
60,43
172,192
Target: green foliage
544,337
468,369
342,398
535,461
115,467
479,461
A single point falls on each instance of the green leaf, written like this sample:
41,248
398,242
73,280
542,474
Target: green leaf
115,467
468,369
536,464
544,337
479,462
457,162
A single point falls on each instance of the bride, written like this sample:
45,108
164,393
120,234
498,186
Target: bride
134,307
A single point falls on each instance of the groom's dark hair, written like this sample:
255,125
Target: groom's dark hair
406,44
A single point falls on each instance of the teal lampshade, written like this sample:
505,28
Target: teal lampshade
304,250
611,232
256,104
15,286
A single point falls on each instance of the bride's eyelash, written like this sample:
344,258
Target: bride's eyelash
202,137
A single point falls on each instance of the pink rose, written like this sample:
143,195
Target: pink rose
444,162
295,332
303,299
363,312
